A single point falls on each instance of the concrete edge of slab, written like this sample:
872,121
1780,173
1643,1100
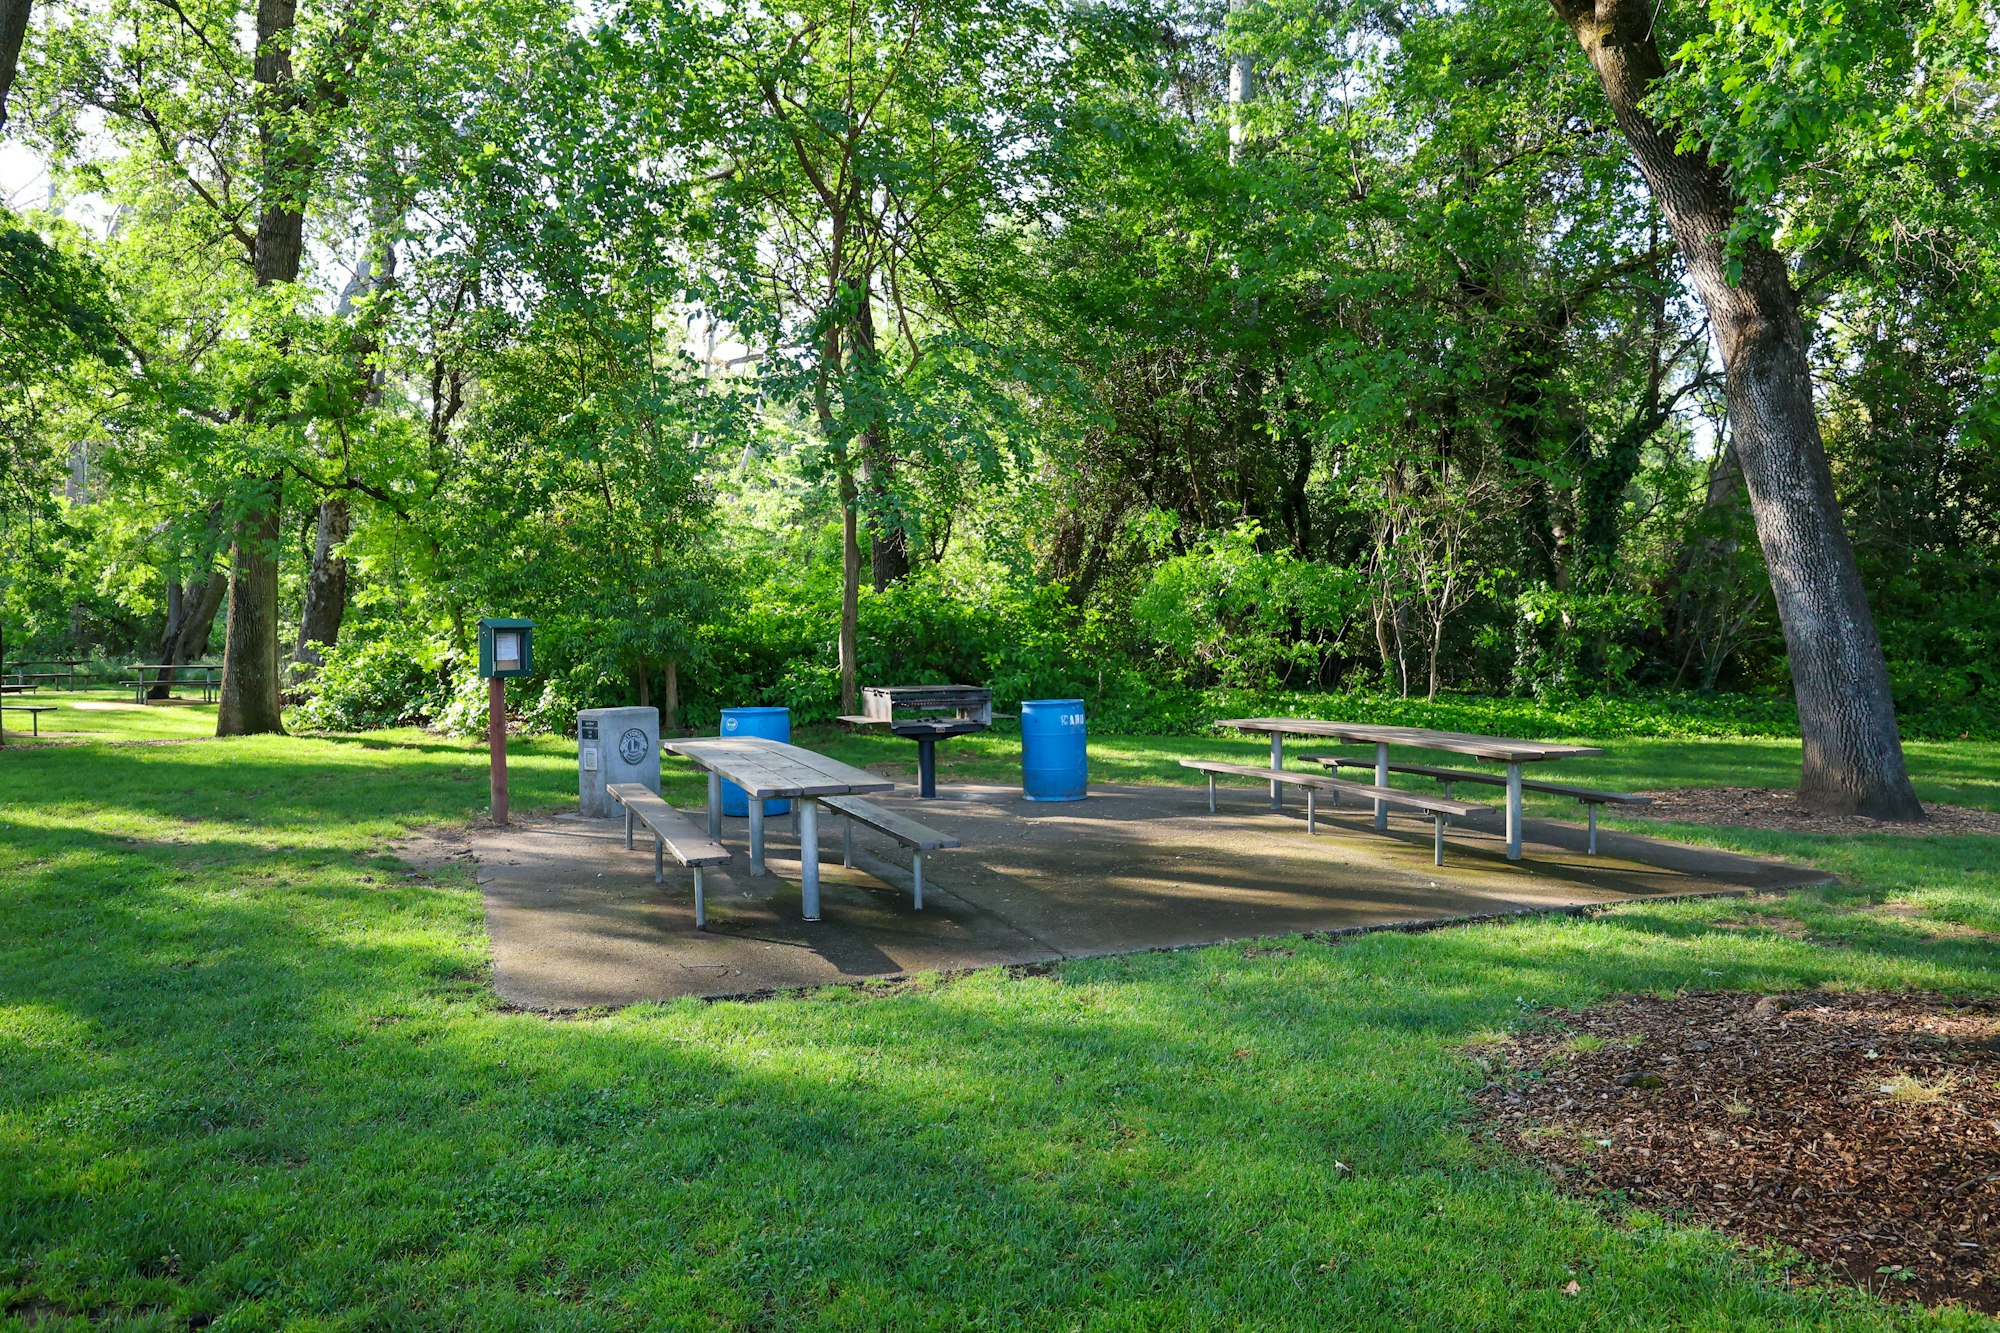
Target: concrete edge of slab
894,983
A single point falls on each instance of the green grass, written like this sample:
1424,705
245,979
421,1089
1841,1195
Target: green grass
251,1071
108,715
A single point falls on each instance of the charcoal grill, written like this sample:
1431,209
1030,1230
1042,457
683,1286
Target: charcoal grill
914,711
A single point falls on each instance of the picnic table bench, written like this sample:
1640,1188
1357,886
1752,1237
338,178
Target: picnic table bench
68,674
1500,749
165,672
919,838
1441,810
672,832
1589,797
34,712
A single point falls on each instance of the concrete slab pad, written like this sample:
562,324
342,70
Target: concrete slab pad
576,920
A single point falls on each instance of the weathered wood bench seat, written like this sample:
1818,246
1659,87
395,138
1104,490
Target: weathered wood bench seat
34,712
672,832
1440,810
919,838
1590,797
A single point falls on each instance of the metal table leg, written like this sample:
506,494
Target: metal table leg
756,836
1513,812
808,856
927,767
1277,761
714,806
1381,780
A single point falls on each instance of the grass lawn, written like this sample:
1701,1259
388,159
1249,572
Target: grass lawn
251,1073
109,715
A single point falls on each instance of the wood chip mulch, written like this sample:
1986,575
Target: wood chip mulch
1862,1130
1779,811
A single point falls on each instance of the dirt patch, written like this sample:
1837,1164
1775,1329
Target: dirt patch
1779,811
1861,1130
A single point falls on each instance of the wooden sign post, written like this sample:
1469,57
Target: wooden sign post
506,648
496,745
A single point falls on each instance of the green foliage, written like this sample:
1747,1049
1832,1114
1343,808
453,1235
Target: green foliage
1233,613
1572,641
384,674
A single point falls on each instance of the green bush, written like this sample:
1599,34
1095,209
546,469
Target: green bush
381,674
1233,614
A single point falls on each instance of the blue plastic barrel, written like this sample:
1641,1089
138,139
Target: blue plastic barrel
773,724
1054,764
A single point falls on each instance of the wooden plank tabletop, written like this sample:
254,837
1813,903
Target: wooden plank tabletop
1504,749
767,769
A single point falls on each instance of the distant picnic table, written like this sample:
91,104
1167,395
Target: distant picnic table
776,770
20,675
1498,749
164,673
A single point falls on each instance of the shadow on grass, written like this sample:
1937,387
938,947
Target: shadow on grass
246,1071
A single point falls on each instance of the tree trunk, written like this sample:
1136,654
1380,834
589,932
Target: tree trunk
249,704
850,592
670,705
326,586
888,542
1853,754
13,31
191,612
888,557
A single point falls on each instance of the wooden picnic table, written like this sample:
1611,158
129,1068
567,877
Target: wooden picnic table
1497,749
141,685
17,670
775,770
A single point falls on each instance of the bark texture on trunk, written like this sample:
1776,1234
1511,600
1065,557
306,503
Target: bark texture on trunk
191,612
249,703
670,703
1853,753
250,700
850,593
13,31
888,557
326,585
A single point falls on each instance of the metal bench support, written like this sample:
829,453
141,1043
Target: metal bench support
1592,807
714,806
807,811
847,842
757,841
1211,792
1381,780
1312,811
1513,812
1277,761
1437,840
917,874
